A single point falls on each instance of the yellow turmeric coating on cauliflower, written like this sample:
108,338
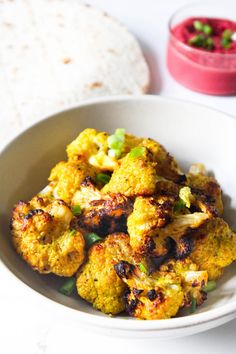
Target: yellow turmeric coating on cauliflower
193,280
42,235
97,281
153,297
66,178
164,237
207,193
166,165
149,214
93,146
153,222
135,176
214,247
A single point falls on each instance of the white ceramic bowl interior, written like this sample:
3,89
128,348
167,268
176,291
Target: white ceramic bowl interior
190,132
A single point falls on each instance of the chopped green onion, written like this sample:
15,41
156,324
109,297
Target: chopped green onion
179,205
207,29
209,43
120,132
76,209
68,287
116,143
227,34
72,232
210,286
198,25
137,152
193,305
91,238
197,40
142,268
225,42
103,178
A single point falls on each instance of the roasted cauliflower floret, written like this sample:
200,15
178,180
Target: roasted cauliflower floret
166,166
154,229
206,190
107,215
93,146
86,193
214,247
149,214
97,281
66,178
174,239
154,297
43,237
193,280
135,176
101,213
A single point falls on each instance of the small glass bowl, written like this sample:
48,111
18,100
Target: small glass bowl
199,70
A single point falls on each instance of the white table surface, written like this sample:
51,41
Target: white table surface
25,325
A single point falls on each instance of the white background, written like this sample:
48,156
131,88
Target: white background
25,325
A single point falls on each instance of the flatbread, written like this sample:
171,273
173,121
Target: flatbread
55,53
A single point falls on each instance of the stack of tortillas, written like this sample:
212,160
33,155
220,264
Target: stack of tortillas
55,53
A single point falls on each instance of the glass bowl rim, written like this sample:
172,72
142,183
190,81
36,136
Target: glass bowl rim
192,49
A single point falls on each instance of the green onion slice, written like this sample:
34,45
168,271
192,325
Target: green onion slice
76,209
210,286
142,267
198,25
179,205
116,143
137,152
193,306
209,43
227,34
91,238
72,232
197,40
103,178
120,132
226,43
207,29
68,287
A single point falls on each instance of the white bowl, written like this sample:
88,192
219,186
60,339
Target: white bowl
190,132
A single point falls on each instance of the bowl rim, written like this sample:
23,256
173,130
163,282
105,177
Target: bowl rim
107,321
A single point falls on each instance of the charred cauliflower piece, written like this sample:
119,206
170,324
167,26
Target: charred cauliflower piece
105,216
101,213
86,193
66,178
150,297
193,280
97,281
149,214
135,176
214,247
175,240
42,236
206,190
166,166
154,229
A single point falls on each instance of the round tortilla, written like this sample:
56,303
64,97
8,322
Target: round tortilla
58,52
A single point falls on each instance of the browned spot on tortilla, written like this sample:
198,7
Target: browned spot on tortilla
66,60
8,24
95,84
111,50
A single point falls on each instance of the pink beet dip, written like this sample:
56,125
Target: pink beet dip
202,54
